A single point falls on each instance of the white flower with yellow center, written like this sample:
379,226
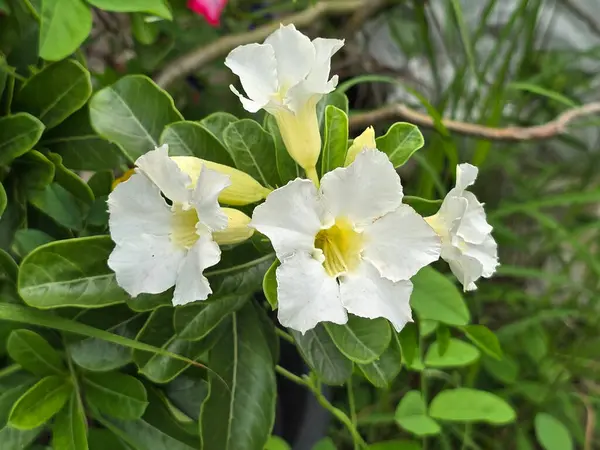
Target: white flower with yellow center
287,76
467,242
350,246
162,223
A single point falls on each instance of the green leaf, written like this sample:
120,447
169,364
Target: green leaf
402,444
216,124
423,206
442,339
40,403
361,340
411,415
470,405
57,91
144,32
485,339
60,205
69,430
243,415
276,443
321,354
187,393
400,142
325,444
193,139
195,320
506,370
253,151
18,134
458,354
80,147
551,433
335,144
101,183
535,89
434,297
384,370
335,98
8,284
65,24
116,394
270,285
13,439
72,272
35,172
34,353
132,113
409,342
101,439
3,199
71,181
286,167
156,7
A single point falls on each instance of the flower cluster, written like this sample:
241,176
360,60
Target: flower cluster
346,242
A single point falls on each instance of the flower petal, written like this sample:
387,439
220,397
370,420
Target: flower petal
165,173
290,217
147,264
400,244
467,270
191,284
294,53
256,66
365,190
366,294
307,295
136,207
205,198
318,79
249,105
473,226
466,174
487,255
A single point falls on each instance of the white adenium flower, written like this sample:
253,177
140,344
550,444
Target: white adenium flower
160,244
467,242
286,76
350,246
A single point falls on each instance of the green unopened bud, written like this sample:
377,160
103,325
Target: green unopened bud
237,228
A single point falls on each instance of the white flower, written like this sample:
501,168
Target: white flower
467,242
286,76
160,244
350,247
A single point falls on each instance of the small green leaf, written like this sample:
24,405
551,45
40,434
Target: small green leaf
187,392
409,342
116,394
400,142
506,370
361,340
485,339
144,32
65,24
40,403
60,205
270,285
442,339
18,134
71,181
458,354
551,433
382,372
193,139
335,98
156,7
276,443
69,430
411,415
335,144
470,405
34,171
34,353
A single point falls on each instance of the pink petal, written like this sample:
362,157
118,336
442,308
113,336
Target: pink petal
210,9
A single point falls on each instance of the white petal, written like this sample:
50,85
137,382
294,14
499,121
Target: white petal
294,53
473,226
249,105
307,295
400,244
366,294
486,253
165,173
256,66
447,219
318,79
191,284
365,190
147,264
136,207
290,217
467,270
205,198
466,174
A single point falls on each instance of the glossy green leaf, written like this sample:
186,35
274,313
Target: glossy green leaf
253,151
156,7
270,285
195,320
193,139
18,134
187,392
485,339
65,24
132,113
382,372
434,297
361,340
322,355
286,167
335,98
400,142
409,342
34,170
40,403
69,430
116,394
60,205
551,433
14,439
470,405
411,415
242,415
71,181
34,353
217,122
458,354
335,142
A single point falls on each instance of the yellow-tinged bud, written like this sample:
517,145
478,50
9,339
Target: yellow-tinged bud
243,189
237,228
365,140
122,178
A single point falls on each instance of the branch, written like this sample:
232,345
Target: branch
204,54
537,132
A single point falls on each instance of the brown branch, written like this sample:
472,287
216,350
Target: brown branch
590,422
537,132
201,56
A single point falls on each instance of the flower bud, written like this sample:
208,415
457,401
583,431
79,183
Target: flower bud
365,140
237,228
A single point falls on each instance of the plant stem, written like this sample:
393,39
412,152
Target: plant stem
9,370
352,405
423,381
359,442
283,335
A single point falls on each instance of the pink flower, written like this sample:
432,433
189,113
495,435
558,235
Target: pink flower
210,9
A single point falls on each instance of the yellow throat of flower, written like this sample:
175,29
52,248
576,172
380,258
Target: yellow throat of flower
184,233
341,246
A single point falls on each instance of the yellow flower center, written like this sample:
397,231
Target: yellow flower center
184,233
341,246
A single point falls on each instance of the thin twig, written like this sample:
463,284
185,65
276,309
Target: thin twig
537,132
201,56
590,422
